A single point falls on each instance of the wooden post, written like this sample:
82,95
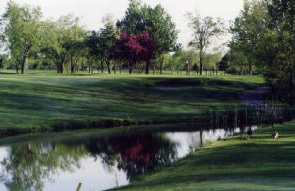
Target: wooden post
79,186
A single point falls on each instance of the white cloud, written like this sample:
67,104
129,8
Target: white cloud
92,11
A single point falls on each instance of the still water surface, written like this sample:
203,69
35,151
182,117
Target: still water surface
98,161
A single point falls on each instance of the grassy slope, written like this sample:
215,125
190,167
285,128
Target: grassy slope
233,164
34,101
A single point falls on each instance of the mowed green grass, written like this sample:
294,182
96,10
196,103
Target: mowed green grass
34,101
231,165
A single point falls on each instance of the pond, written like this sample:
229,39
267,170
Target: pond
99,162
104,159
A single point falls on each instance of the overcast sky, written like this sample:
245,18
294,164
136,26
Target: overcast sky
91,12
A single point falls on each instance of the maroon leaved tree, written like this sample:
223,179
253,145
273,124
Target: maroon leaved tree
134,49
149,46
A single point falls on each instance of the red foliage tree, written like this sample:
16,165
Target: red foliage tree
134,49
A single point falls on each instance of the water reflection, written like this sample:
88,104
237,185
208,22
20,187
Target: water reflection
134,154
110,161
26,165
41,166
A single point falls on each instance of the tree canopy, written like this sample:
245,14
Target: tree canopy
133,48
140,18
265,33
204,32
146,34
101,42
22,32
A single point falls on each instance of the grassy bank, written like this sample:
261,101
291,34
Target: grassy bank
233,164
33,102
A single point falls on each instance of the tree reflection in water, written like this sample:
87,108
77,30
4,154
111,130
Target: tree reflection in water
27,165
135,155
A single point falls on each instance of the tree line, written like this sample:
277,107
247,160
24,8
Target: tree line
144,39
264,42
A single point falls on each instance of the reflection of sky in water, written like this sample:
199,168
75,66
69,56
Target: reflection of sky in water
3,154
93,174
188,142
96,175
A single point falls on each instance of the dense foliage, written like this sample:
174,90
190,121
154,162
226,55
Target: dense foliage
264,34
23,32
204,31
33,42
263,37
140,18
101,42
133,49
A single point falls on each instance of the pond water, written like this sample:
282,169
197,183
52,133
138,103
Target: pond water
99,162
104,159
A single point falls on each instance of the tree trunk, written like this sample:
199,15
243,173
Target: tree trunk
108,66
188,68
201,61
23,67
101,66
17,68
250,69
60,65
114,68
72,69
60,68
130,68
147,67
161,64
24,63
24,58
72,66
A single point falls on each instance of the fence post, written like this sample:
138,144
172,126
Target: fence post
79,186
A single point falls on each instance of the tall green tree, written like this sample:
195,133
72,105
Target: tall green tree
265,32
62,37
204,31
101,42
22,32
78,55
140,18
238,62
248,30
212,60
281,41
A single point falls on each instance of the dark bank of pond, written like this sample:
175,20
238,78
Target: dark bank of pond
104,159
